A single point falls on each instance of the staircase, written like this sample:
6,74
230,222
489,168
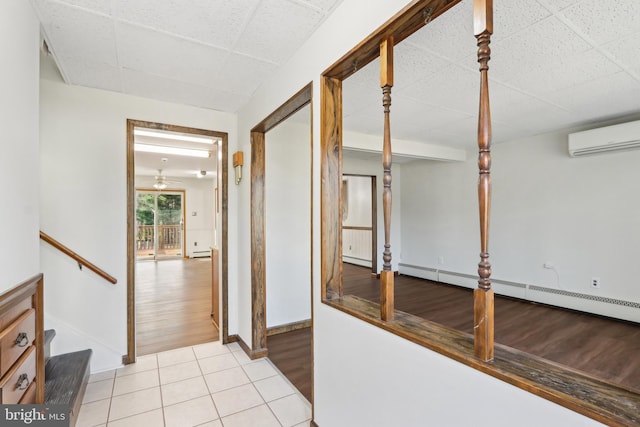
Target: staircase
66,377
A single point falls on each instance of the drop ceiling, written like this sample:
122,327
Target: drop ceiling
555,64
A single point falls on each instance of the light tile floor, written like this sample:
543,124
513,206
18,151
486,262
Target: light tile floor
210,385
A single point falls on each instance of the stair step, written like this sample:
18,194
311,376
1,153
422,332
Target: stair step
66,377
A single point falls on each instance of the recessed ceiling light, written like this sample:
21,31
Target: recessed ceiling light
160,149
174,136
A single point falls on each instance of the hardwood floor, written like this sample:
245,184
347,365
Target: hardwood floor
291,353
173,304
602,347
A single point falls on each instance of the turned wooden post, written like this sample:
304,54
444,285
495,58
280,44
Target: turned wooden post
386,275
483,295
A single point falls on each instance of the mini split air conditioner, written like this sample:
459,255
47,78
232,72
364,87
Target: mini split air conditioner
625,136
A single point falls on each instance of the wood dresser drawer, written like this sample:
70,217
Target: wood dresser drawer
12,314
16,338
14,384
29,396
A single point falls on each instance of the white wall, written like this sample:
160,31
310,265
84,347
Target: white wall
199,199
19,39
582,215
84,205
288,221
359,368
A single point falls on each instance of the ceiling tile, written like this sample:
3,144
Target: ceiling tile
156,87
78,34
560,75
218,22
243,74
412,64
156,53
91,74
604,98
450,35
510,17
269,34
626,52
535,47
325,5
99,6
604,21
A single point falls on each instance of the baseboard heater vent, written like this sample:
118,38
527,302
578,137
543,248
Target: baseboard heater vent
585,296
200,254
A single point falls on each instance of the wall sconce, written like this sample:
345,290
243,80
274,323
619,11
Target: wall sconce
237,165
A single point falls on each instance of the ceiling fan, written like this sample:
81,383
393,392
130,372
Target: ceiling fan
162,182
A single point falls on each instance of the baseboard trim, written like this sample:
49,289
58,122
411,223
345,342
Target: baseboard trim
288,327
231,339
253,354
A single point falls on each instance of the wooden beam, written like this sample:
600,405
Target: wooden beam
330,187
258,255
483,295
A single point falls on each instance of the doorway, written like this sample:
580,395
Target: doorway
360,221
159,224
177,222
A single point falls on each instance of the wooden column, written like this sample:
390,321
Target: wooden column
386,275
483,295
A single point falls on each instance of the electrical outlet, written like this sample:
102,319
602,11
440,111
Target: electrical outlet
441,260
595,282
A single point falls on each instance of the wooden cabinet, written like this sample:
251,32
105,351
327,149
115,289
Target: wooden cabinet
21,344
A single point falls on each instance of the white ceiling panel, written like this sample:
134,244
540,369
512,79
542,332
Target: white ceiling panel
78,33
269,35
92,74
149,86
604,21
217,23
554,63
178,59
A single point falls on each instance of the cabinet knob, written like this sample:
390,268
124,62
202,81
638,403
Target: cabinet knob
22,340
23,382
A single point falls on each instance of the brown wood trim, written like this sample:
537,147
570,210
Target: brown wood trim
258,241
599,399
351,227
258,247
374,225
403,24
289,108
231,339
130,357
293,326
312,423
330,187
80,260
215,288
253,354
483,305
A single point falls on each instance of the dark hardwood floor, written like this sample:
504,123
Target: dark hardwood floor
602,347
291,353
173,304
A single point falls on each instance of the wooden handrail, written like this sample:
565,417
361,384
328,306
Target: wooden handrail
81,261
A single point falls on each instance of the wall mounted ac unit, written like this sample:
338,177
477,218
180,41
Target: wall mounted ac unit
625,136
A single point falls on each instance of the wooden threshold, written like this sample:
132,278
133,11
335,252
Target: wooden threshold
596,398
293,326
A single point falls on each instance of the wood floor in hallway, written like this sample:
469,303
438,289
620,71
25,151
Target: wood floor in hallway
603,347
173,304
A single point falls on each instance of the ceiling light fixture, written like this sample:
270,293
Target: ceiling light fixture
174,136
160,149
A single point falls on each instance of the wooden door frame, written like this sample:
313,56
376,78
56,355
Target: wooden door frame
258,242
223,170
374,220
